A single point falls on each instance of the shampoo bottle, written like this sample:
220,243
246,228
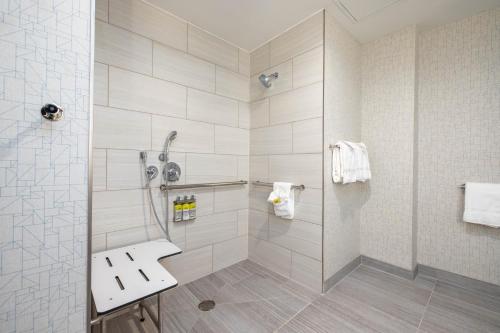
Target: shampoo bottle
192,207
185,208
178,209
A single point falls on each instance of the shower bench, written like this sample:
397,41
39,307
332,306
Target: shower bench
126,276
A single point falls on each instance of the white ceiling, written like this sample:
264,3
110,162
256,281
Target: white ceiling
250,23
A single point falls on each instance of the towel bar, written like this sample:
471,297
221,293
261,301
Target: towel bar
296,187
187,186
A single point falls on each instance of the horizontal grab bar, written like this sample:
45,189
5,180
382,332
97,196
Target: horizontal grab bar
202,185
297,187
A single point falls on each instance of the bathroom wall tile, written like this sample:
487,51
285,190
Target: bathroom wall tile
190,265
271,140
258,198
211,229
243,222
299,236
283,83
125,170
308,205
231,84
297,40
243,115
308,67
121,129
306,271
146,20
192,136
258,224
259,168
230,252
231,198
131,236
211,48
100,84
98,243
259,113
99,169
230,140
211,168
259,59
298,169
115,210
271,256
122,48
173,65
211,108
243,168
244,62
308,136
101,10
133,91
298,104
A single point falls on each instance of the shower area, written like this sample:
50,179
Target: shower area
228,123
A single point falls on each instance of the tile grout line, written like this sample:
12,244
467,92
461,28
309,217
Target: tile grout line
291,318
427,305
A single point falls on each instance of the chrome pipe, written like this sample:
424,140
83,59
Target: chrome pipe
201,185
295,187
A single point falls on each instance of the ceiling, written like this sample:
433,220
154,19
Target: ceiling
250,23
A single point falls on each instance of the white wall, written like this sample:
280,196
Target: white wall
286,145
459,141
342,121
388,111
44,58
154,74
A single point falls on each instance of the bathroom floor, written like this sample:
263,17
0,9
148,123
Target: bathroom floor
250,298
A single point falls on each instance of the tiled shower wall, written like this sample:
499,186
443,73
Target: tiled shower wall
286,145
44,57
459,141
342,121
155,74
387,113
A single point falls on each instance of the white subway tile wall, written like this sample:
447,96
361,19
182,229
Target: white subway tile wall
45,50
184,80
286,144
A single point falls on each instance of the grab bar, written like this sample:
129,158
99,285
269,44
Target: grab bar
201,185
295,187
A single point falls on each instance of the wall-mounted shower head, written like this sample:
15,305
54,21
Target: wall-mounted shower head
266,80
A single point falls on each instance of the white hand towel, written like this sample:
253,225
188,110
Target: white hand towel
283,199
482,204
350,162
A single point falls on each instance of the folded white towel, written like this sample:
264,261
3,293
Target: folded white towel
482,204
283,199
350,162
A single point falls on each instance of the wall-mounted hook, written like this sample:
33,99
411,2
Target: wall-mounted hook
52,112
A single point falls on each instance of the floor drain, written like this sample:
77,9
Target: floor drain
206,305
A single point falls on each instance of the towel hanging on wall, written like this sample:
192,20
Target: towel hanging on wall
482,204
350,162
283,199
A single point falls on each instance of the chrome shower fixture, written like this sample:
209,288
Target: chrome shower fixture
266,80
151,171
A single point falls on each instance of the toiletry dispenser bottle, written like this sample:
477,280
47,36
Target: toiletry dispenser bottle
192,207
185,208
178,209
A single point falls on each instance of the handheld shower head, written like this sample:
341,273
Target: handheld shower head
171,136
266,80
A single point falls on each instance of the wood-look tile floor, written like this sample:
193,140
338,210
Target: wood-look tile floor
250,298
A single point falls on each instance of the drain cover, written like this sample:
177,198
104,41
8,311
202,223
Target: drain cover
206,305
